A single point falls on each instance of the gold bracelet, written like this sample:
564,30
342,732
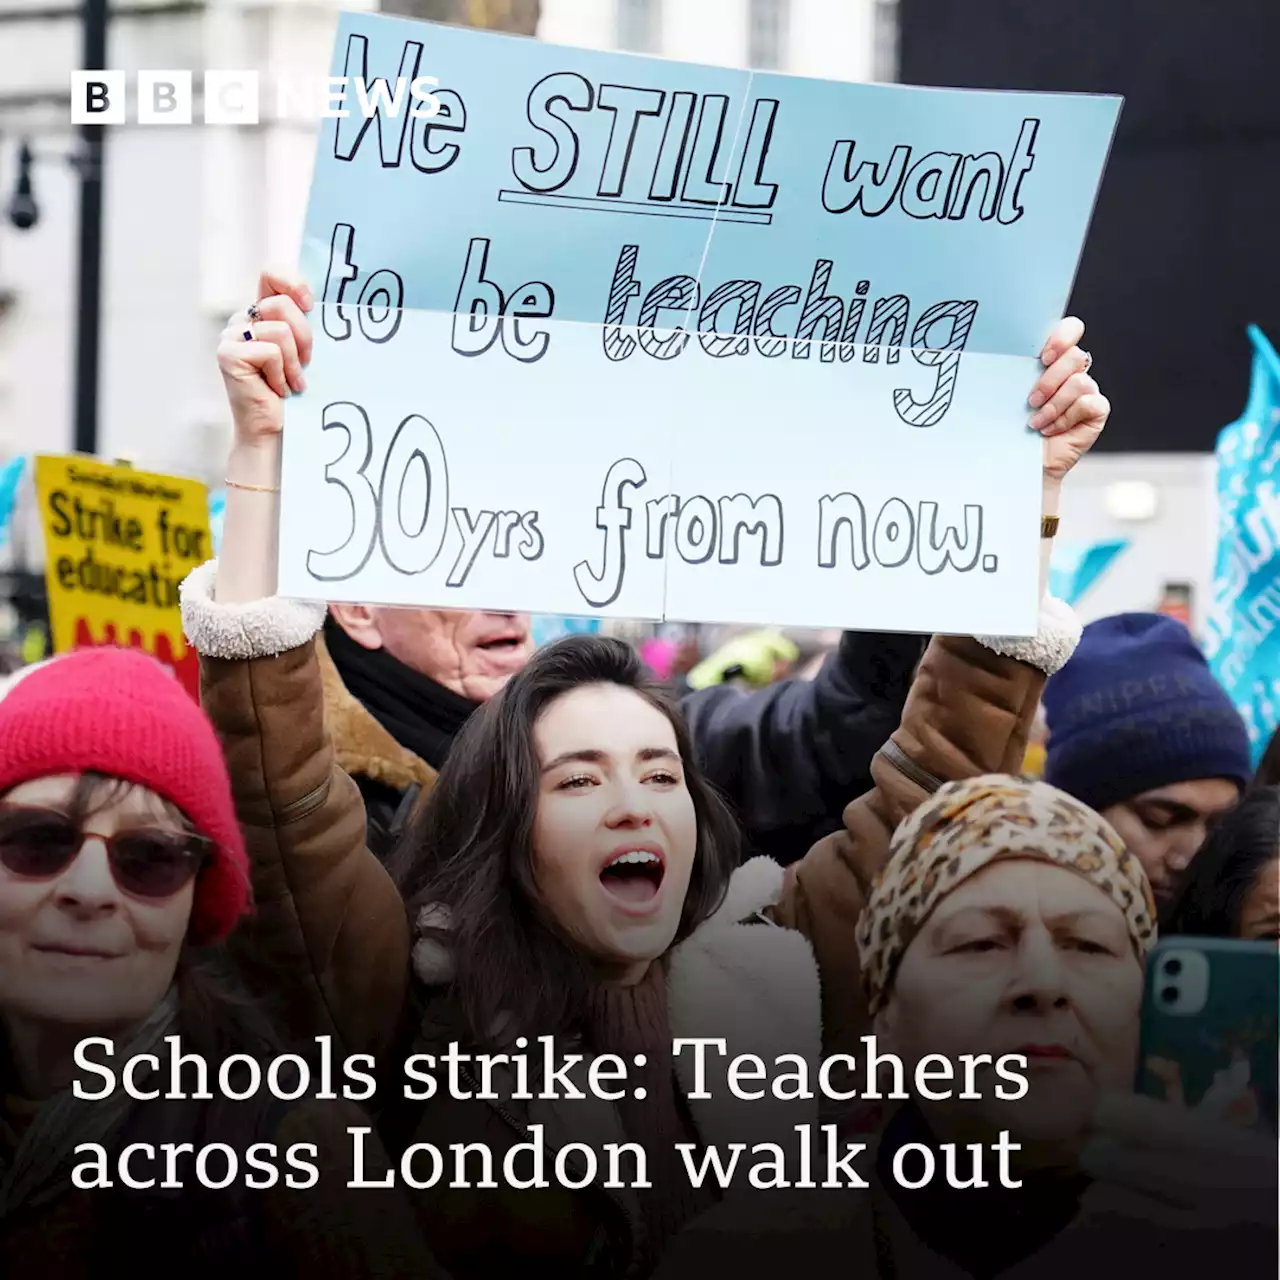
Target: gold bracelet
1048,526
252,488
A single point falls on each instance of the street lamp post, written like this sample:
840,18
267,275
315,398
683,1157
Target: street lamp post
89,288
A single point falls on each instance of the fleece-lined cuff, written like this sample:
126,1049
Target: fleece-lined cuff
1051,646
258,629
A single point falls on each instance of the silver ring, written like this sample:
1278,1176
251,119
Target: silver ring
1088,362
252,312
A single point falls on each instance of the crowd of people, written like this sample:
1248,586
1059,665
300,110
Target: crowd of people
396,830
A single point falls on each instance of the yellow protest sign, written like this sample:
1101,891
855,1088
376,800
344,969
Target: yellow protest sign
117,544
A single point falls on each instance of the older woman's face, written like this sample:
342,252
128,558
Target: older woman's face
1022,958
76,948
615,832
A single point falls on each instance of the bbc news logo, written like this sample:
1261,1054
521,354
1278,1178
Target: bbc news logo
235,98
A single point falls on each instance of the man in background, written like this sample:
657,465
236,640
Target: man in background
1141,731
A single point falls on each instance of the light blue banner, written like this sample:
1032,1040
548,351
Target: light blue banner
546,629
712,344
217,512
10,477
1076,567
1243,628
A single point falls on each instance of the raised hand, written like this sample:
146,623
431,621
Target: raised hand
1070,411
261,359
259,374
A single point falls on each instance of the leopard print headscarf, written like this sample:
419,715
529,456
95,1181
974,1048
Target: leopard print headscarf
967,825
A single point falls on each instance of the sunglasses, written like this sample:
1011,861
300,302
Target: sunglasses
39,844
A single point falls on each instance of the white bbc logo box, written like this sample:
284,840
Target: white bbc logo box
164,97
231,97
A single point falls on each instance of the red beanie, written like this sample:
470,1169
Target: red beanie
119,712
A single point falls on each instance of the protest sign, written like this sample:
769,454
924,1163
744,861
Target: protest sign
117,544
1242,632
608,335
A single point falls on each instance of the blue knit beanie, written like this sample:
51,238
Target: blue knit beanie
1137,708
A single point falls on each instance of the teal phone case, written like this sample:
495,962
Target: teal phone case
1210,1022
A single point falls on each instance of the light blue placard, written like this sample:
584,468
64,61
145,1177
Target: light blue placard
765,350
1242,638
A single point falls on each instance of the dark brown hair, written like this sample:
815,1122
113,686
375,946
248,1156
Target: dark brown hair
1243,845
1268,774
470,848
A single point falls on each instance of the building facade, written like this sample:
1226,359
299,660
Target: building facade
831,39
190,215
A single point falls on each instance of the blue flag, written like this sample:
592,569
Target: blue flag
10,476
217,509
1077,566
1242,637
548,627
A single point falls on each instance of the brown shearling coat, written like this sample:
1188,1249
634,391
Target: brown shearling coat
362,747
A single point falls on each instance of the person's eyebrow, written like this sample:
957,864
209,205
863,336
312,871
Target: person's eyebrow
594,756
1065,919
585,756
1009,917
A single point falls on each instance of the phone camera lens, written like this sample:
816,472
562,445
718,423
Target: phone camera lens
1169,995
1173,967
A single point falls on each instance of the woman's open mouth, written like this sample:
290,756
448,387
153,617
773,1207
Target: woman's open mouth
633,877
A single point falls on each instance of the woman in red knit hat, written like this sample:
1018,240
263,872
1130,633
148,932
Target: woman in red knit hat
121,867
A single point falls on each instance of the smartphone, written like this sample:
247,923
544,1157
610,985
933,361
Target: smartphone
1210,1021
